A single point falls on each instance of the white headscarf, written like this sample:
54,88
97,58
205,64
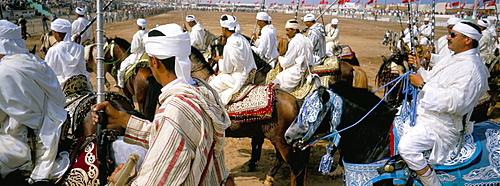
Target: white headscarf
309,18
262,16
335,21
468,30
453,20
10,39
80,11
483,23
228,21
142,23
62,26
176,43
292,23
191,18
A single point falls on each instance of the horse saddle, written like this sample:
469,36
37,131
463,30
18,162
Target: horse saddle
252,103
343,52
328,66
133,68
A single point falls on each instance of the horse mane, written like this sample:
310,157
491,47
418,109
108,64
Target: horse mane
121,42
198,56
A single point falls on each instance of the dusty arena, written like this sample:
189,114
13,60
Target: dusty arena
364,37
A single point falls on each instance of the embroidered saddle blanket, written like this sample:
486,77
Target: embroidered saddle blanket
252,103
343,52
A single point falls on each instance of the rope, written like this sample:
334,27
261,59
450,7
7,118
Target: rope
407,89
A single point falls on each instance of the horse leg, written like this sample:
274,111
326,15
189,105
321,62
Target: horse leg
299,167
274,170
257,142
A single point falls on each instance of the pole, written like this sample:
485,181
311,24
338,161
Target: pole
256,21
93,20
474,11
183,17
101,126
322,13
433,22
297,9
399,15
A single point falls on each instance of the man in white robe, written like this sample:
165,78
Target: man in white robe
136,51
67,57
30,100
406,34
296,59
425,32
442,44
332,36
486,42
236,63
266,45
197,33
78,25
316,34
448,94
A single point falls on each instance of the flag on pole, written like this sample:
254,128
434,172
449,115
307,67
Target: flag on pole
358,2
484,1
463,5
341,2
455,3
370,2
303,2
492,3
322,2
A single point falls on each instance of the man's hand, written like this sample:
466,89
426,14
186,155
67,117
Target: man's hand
114,116
414,60
112,177
416,79
216,58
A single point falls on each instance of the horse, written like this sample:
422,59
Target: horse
364,155
115,51
393,67
47,40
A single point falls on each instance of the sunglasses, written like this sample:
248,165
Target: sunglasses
453,35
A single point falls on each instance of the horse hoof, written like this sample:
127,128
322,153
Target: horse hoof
269,180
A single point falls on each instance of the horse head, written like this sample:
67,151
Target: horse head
355,104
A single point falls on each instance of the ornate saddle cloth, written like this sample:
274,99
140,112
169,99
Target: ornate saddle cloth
329,66
133,68
343,52
253,103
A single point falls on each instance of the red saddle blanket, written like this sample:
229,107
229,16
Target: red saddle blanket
253,103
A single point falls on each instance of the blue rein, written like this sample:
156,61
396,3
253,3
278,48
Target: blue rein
407,90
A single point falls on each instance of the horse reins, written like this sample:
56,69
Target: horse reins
111,47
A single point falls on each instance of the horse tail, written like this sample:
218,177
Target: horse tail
360,78
152,93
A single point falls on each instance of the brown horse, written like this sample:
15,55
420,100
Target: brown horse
115,51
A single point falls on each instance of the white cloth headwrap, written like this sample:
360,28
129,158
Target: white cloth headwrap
230,23
335,21
426,19
80,11
62,26
468,30
309,17
10,39
262,16
483,23
270,19
292,23
237,29
142,23
453,21
191,18
176,43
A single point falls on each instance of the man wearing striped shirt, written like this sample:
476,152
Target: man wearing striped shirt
185,141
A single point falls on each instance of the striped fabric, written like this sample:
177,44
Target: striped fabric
179,139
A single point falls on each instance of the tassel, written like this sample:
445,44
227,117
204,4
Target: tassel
327,160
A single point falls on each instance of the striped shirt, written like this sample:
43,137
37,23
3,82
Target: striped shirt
190,121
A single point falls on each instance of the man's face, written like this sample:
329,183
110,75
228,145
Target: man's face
449,27
290,32
426,22
457,41
309,23
191,24
57,35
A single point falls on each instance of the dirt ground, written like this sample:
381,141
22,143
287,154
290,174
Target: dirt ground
363,36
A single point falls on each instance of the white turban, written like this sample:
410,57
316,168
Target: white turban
237,29
80,11
62,26
426,19
270,19
483,23
335,21
466,29
262,16
142,23
453,21
191,18
10,39
228,21
176,43
309,18
292,23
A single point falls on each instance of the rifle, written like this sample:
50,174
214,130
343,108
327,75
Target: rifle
183,17
93,20
433,22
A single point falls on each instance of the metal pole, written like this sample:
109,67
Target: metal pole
433,22
297,9
101,126
322,13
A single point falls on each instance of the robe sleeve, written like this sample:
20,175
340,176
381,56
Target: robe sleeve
136,45
290,55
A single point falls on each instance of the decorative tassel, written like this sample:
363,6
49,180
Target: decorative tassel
327,160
